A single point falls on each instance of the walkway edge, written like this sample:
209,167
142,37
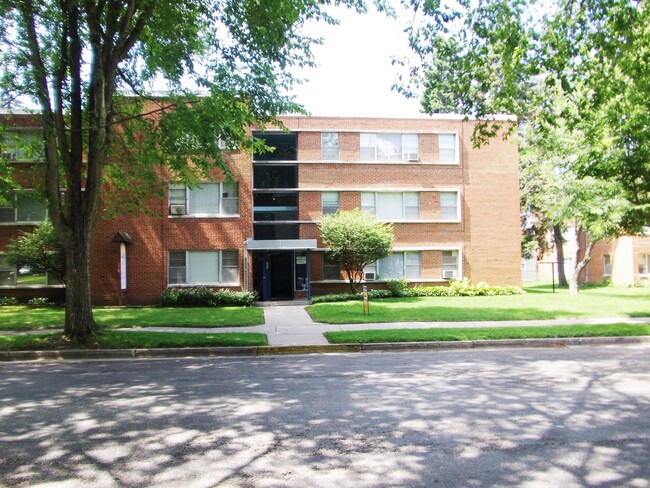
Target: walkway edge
195,352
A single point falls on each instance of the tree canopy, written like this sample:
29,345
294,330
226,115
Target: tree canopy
502,56
355,239
78,60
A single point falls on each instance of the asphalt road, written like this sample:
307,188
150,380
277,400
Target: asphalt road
521,417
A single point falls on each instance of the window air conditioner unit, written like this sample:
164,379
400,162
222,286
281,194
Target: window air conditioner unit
412,157
177,210
369,276
449,274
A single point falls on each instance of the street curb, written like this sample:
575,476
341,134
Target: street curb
196,352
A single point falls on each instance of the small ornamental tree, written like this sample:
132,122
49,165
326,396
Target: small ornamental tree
356,239
40,250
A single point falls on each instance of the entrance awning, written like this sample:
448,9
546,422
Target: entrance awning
281,245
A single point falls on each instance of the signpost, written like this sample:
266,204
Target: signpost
366,304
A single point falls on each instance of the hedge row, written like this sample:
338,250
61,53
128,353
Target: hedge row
399,288
206,297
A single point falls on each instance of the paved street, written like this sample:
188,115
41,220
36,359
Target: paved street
522,417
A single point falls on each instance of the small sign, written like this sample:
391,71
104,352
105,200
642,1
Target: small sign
301,259
366,304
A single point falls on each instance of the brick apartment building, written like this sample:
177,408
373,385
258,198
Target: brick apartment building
455,210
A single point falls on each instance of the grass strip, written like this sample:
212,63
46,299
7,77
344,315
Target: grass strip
21,318
114,339
487,333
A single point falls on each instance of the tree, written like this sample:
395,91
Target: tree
39,250
355,239
487,58
76,59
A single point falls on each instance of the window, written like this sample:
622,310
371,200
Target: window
24,276
447,148
22,146
28,207
389,147
449,205
644,264
329,146
607,265
203,268
207,199
450,265
330,202
394,266
392,206
331,268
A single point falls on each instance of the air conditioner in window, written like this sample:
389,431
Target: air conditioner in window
449,274
177,210
369,276
412,157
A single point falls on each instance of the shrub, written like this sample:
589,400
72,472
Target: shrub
7,301
344,297
37,302
464,288
398,288
206,297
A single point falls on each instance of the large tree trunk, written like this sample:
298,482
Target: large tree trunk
558,238
80,324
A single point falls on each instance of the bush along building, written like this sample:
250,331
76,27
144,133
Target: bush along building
455,210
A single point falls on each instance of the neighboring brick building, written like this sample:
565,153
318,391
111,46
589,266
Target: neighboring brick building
455,209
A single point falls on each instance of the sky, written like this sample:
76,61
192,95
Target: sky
354,73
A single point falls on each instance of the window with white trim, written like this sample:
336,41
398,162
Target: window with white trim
449,205
447,150
644,264
392,206
390,147
203,268
450,265
329,146
607,265
330,201
11,275
206,199
29,208
396,265
22,146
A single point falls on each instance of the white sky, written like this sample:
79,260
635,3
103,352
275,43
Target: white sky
354,73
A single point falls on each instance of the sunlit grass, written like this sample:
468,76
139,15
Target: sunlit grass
487,333
19,318
538,303
114,339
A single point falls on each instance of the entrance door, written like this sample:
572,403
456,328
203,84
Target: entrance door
273,275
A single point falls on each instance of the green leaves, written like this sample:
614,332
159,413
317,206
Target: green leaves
356,239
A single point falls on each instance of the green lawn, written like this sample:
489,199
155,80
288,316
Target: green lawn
25,318
116,339
487,333
538,303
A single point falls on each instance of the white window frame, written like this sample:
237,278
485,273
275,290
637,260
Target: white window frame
607,263
327,148
446,267
375,196
457,217
50,280
331,266
456,159
15,220
376,267
329,208
12,151
186,201
220,266
644,265
405,156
